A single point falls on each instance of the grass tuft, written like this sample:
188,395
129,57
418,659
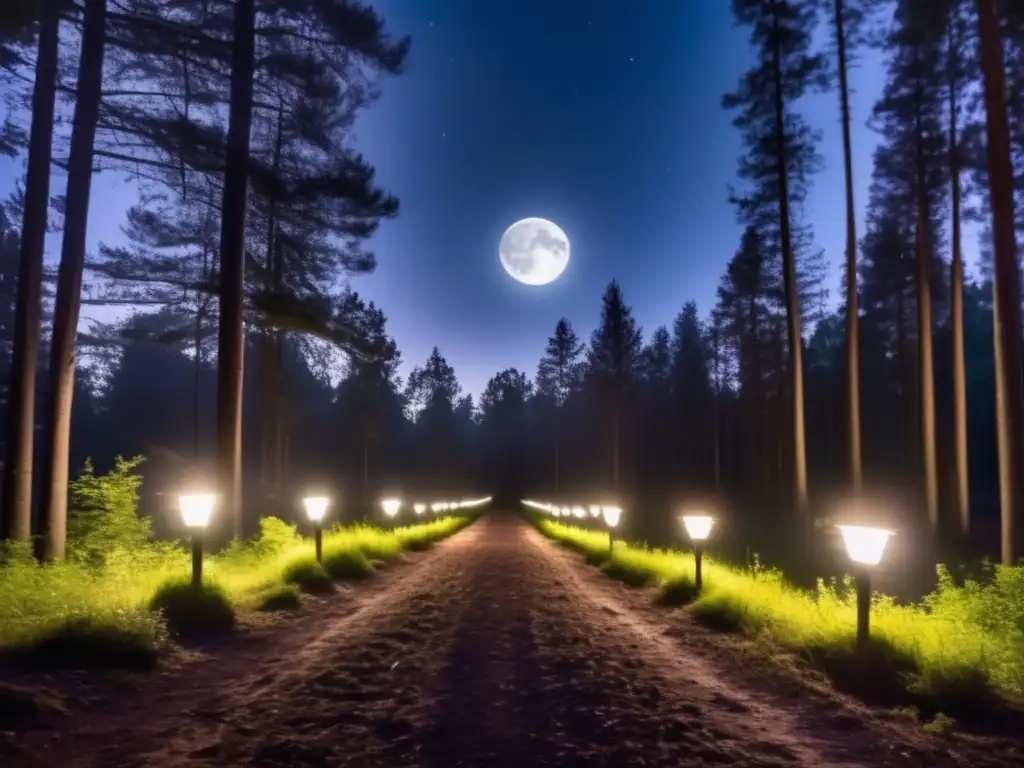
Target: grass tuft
191,612
283,597
347,563
308,575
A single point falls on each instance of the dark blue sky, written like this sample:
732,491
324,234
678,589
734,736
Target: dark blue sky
601,115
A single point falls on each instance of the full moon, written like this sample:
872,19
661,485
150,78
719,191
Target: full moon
534,251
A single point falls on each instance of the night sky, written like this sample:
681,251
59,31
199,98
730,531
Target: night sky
600,115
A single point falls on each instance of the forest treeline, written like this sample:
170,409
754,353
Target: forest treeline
233,118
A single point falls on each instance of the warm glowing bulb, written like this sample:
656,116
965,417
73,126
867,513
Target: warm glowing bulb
566,512
595,510
865,545
579,512
391,506
419,509
196,509
436,506
698,527
316,507
611,515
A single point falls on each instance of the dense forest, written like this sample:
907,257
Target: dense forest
254,364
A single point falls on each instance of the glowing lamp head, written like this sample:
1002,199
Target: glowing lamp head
698,527
579,512
611,516
595,510
419,509
436,506
316,507
196,509
391,506
566,511
864,545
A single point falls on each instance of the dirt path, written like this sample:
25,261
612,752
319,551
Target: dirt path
497,649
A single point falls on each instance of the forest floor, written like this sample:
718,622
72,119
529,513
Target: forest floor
497,648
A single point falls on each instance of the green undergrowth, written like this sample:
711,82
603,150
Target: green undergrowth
282,597
120,596
960,651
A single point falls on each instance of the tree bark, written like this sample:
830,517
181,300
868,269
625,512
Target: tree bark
17,491
957,296
1006,281
796,367
57,424
852,309
231,341
925,364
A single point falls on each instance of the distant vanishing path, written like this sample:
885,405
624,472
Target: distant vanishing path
496,649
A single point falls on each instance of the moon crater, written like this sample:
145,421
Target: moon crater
534,251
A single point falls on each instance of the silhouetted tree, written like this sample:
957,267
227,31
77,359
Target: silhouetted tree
614,368
780,156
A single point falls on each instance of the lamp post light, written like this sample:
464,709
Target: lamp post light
595,510
196,509
698,528
611,520
419,509
579,513
316,508
391,506
865,547
436,507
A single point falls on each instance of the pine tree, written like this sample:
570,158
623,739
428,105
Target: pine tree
614,367
17,485
368,397
1006,291
910,184
61,380
432,393
558,376
691,386
848,21
781,155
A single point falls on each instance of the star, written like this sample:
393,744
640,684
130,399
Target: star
630,58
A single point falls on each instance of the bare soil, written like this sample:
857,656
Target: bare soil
495,649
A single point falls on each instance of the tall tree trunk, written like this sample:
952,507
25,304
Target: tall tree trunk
57,423
231,341
796,365
269,414
558,449
616,434
366,471
925,364
17,508
1006,281
852,309
957,292
716,415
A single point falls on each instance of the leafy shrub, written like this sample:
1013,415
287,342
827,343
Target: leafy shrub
103,513
283,597
343,562
307,574
190,611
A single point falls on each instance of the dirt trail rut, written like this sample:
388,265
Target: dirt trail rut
496,649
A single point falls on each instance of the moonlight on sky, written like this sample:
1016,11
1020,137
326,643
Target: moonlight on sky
534,251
